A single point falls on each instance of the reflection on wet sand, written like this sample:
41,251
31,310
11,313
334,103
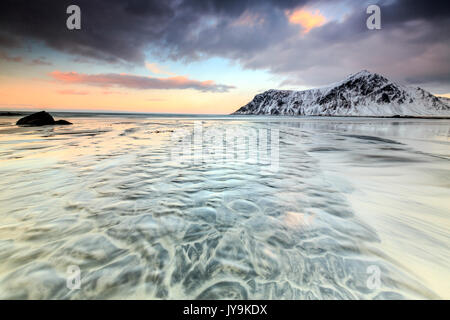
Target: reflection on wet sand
350,195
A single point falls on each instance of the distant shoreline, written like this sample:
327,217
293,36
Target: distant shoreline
345,116
186,115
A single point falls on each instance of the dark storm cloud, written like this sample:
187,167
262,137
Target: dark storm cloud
8,41
413,44
407,10
415,49
112,30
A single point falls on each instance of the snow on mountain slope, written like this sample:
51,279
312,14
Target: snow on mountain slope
445,100
361,94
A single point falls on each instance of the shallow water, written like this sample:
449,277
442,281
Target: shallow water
325,209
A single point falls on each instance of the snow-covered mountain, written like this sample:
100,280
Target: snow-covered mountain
361,94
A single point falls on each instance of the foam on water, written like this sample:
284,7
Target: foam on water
104,195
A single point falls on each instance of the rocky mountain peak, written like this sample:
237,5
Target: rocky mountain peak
361,94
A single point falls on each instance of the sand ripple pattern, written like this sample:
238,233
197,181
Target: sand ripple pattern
103,195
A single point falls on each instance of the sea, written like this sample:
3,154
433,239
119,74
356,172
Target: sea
157,206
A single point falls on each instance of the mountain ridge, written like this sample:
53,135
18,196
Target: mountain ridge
361,94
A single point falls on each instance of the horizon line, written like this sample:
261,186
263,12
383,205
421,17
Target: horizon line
108,112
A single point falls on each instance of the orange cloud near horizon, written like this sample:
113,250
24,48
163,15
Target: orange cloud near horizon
73,92
137,82
308,20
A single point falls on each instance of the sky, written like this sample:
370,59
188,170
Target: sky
211,57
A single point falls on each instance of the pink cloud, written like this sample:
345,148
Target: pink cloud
156,69
111,92
138,82
73,92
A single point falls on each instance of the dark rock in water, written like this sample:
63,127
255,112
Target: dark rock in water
40,119
62,122
37,119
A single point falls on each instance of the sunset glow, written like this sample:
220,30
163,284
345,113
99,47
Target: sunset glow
72,94
212,60
307,19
